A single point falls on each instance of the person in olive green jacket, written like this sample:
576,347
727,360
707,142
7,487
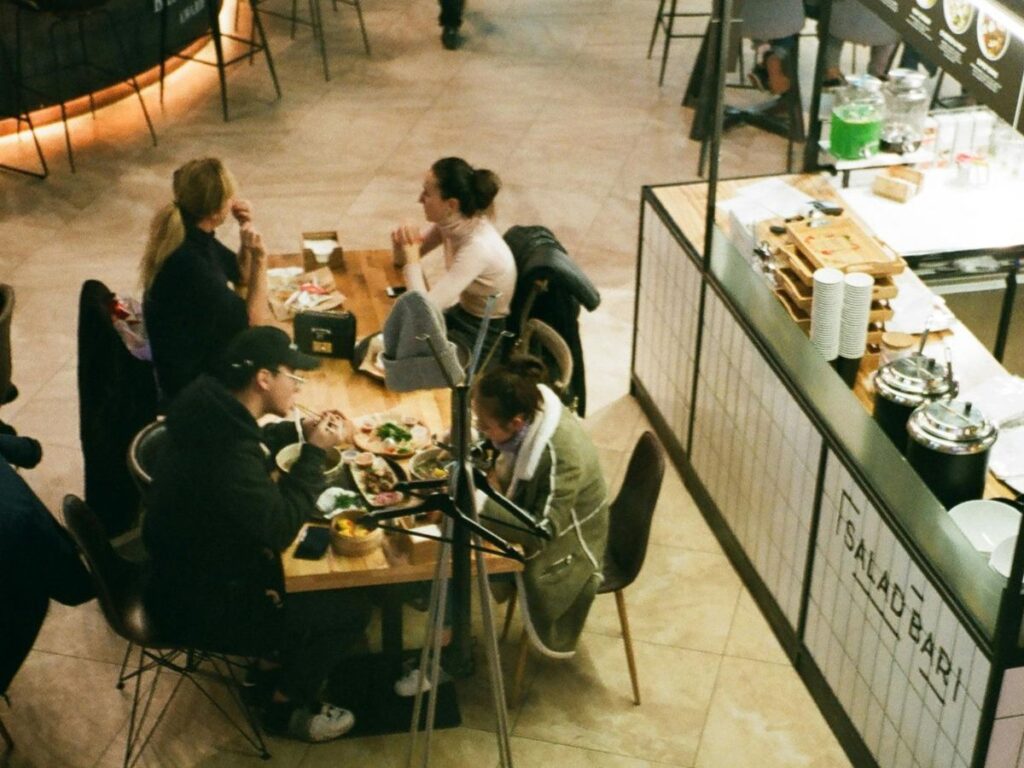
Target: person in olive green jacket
548,466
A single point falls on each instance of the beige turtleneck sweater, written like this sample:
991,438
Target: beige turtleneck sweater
477,263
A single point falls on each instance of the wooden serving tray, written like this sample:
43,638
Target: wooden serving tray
884,287
798,292
841,243
801,318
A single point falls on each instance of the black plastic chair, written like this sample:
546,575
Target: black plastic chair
119,587
629,528
142,455
7,389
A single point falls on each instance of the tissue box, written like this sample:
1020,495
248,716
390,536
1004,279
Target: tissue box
313,241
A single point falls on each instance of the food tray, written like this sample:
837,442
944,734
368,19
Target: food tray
841,243
801,318
884,287
798,293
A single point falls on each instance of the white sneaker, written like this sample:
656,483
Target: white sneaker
407,685
329,723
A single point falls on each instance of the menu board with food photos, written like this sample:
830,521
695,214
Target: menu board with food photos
980,43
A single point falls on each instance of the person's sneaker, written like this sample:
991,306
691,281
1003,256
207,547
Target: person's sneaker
329,723
413,680
450,38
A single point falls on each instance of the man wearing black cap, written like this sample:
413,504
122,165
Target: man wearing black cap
217,522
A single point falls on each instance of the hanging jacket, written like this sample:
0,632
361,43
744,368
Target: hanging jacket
556,477
116,398
539,256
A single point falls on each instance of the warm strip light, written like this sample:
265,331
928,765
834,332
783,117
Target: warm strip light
180,73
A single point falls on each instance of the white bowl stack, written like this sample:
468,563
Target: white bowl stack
853,332
826,311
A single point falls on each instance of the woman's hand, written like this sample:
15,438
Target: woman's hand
252,241
405,245
242,211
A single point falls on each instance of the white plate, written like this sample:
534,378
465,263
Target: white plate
986,523
328,500
1002,557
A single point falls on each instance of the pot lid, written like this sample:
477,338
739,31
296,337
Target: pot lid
955,422
915,374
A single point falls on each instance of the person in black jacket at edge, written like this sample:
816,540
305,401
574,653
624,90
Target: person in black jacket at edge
217,523
190,304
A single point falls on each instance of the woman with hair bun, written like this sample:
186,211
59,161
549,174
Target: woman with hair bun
189,277
547,465
457,202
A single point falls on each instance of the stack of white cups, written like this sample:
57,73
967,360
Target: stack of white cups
853,333
826,311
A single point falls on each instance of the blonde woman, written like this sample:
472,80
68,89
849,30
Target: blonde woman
189,278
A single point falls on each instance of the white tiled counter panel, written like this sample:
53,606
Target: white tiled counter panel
757,454
906,672
666,331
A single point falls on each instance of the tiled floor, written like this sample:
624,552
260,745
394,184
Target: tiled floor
559,99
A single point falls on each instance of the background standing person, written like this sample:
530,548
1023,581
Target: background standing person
189,278
450,20
457,200
217,523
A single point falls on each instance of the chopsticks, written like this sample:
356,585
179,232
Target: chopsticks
307,411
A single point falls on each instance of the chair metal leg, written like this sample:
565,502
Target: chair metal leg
266,52
121,677
218,48
520,673
627,641
509,612
668,41
295,17
654,31
5,735
362,26
126,70
60,95
317,22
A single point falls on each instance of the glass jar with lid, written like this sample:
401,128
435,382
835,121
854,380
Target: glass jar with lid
906,110
857,115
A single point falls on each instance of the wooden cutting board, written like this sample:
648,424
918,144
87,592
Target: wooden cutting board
841,243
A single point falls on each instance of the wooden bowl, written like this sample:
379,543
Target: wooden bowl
353,541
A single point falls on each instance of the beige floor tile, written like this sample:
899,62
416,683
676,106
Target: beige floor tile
763,709
750,636
696,617
587,702
64,711
677,521
458,748
529,753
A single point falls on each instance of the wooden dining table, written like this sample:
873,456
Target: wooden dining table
363,281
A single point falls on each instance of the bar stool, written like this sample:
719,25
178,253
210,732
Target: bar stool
315,22
665,21
77,13
10,76
217,35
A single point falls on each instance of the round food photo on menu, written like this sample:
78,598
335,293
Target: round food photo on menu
927,3
959,15
993,37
